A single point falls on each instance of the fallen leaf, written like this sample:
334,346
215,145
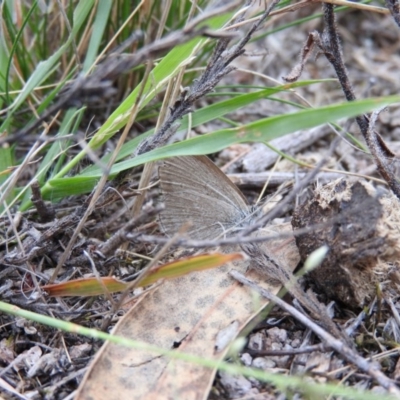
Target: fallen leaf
96,286
185,313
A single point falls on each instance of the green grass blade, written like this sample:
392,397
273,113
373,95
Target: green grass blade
282,382
55,155
6,161
14,47
81,12
165,70
44,68
262,130
99,26
209,113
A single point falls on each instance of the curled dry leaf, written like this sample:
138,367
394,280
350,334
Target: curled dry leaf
360,226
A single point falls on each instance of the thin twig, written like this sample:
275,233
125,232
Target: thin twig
292,195
91,201
121,236
218,67
372,369
331,48
236,240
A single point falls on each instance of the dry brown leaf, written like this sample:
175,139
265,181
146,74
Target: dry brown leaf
188,312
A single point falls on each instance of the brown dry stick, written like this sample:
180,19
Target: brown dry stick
267,266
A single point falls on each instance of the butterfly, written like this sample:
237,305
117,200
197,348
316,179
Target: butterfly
196,190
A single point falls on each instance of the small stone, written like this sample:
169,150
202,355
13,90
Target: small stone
281,362
246,359
277,335
263,363
378,390
30,330
257,341
236,385
79,351
276,346
295,343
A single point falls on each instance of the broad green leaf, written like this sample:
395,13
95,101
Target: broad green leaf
261,130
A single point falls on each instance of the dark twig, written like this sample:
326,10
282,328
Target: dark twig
394,8
120,236
332,50
329,45
379,154
305,54
372,369
46,213
217,68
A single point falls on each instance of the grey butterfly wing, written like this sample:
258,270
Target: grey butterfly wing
196,190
